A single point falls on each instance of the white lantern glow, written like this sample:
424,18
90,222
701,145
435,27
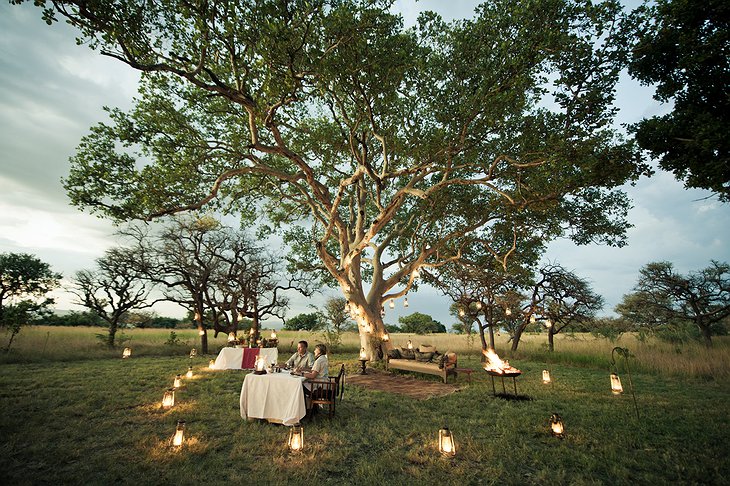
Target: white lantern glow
557,428
405,302
178,381
179,437
189,374
616,387
168,399
392,304
296,438
211,364
447,447
545,376
126,353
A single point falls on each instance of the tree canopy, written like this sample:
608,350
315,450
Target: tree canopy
420,324
663,297
385,150
683,50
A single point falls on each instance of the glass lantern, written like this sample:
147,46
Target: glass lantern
126,353
168,399
177,439
545,376
178,381
447,447
296,438
616,387
557,427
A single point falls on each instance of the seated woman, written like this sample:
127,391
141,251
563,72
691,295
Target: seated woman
320,368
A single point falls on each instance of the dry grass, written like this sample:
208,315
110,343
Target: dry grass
692,360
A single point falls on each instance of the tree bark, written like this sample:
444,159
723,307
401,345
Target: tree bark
551,339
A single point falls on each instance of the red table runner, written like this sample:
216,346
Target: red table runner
249,358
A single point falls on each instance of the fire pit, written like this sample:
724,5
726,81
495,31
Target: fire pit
501,369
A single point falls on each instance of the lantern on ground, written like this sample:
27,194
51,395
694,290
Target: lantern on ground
616,387
126,353
168,399
545,376
189,374
178,382
231,337
273,334
193,352
447,447
296,438
211,364
556,425
177,439
410,344
405,302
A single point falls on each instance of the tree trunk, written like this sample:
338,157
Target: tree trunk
706,334
371,329
204,335
516,339
491,337
551,339
112,333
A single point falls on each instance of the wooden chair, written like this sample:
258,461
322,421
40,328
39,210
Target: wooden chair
323,392
340,381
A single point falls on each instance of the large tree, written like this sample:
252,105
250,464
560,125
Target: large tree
390,150
115,287
24,279
663,297
683,50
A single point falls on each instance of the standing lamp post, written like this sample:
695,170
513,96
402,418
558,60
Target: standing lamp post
616,387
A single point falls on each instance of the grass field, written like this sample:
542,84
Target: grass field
75,413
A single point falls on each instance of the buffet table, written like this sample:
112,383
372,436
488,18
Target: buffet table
235,358
276,397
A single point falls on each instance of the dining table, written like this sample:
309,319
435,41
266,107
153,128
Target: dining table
277,397
244,358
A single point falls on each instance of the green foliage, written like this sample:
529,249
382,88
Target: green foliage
173,340
610,328
665,301
420,324
683,50
73,318
304,322
386,149
393,328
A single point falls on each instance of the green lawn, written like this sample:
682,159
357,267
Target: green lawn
99,422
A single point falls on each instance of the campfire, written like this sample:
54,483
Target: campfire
497,366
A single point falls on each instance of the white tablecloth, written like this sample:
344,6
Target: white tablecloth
230,358
276,397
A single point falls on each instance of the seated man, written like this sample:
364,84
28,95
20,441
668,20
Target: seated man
302,359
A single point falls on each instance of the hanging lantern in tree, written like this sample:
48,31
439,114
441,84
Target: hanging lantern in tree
179,437
548,323
168,399
391,304
296,438
405,302
556,425
533,319
126,353
462,312
416,273
545,376
478,305
447,447
201,332
508,311
616,387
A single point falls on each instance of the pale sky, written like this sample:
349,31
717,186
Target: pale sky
54,90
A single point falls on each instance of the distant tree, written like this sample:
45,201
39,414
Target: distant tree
304,322
392,328
335,320
669,299
24,279
419,323
113,289
569,300
683,50
611,328
73,318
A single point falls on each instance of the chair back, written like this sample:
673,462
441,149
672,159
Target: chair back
324,392
340,381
